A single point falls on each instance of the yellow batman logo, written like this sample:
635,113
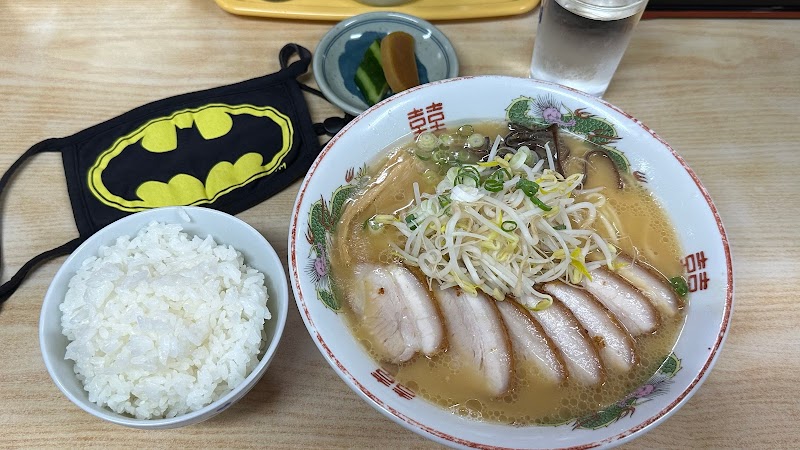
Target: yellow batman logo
204,185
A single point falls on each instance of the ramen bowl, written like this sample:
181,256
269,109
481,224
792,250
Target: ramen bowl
705,256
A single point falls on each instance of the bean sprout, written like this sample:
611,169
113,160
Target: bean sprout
527,228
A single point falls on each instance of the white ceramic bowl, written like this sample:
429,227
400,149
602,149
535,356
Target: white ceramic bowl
340,51
225,229
462,100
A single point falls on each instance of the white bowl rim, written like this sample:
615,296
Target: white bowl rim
448,439
191,417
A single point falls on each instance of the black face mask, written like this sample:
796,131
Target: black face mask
227,148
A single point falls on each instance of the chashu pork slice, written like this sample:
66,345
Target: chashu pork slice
397,314
652,284
615,346
477,337
428,322
530,343
625,302
580,356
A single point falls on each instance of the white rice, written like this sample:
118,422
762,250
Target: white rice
164,323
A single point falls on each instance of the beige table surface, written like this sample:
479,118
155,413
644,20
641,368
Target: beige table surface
724,93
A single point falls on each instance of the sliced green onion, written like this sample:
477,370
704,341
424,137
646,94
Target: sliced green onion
508,225
466,130
475,140
444,200
467,172
411,221
446,140
494,182
530,188
461,157
493,185
679,285
427,141
540,204
472,170
519,158
423,156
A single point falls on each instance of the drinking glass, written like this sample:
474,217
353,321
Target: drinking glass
579,43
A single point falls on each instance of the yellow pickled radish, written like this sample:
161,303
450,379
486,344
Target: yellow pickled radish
398,61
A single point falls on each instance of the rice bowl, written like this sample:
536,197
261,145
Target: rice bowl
169,354
163,315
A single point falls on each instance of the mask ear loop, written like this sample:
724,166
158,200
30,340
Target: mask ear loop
9,287
331,125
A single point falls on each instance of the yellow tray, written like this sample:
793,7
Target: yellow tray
342,9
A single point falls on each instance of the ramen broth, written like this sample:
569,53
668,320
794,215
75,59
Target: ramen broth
643,230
